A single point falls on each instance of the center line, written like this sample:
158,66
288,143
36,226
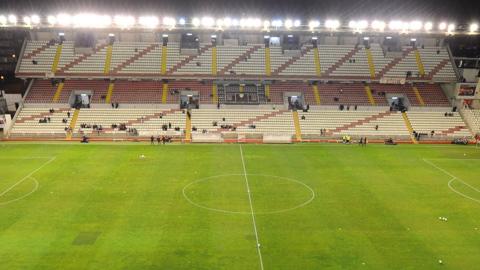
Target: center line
251,209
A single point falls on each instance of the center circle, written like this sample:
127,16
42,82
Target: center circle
228,193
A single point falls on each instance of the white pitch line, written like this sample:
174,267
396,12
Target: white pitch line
454,178
27,176
251,209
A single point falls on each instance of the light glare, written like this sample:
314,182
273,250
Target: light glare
473,27
12,19
148,21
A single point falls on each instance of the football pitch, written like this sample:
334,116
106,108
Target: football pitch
303,206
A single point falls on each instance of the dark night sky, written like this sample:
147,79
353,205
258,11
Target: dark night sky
459,11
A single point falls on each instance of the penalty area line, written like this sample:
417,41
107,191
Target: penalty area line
27,176
454,178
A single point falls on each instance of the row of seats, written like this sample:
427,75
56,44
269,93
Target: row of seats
379,122
145,58
124,91
359,123
265,121
147,122
27,123
441,124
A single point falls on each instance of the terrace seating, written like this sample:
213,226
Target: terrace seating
266,121
432,58
150,63
304,65
254,64
200,64
331,54
39,52
204,90
144,59
137,92
444,126
27,122
277,90
146,121
432,94
347,94
356,65
355,123
407,64
123,53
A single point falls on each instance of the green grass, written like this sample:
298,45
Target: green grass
102,207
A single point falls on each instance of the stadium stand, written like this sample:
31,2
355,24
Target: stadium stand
144,59
437,120
357,69
360,122
146,121
27,123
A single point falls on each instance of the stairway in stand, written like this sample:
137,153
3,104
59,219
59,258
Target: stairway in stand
298,131
188,127
408,124
73,122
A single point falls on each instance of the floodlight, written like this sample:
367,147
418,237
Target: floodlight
415,25
313,24
35,19
256,22
3,20
208,21
227,22
243,23
181,21
91,20
473,27
196,22
352,24
428,26
52,20
27,20
395,25
277,23
288,23
442,26
378,25
103,21
297,23
148,21
332,24
64,19
363,24
266,24
451,27
124,21
169,21
12,19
